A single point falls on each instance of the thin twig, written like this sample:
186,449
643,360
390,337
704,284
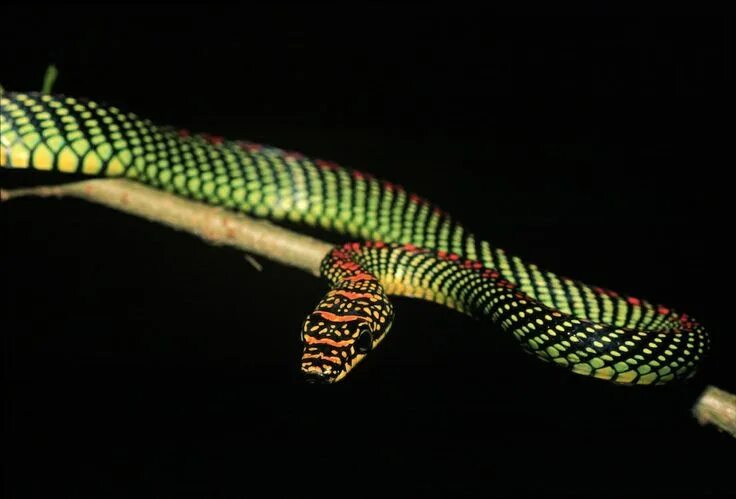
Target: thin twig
215,225
49,78
254,262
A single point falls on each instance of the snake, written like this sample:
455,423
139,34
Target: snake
396,243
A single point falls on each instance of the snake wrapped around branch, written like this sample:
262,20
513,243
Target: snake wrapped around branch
404,244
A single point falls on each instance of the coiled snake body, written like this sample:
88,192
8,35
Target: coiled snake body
409,247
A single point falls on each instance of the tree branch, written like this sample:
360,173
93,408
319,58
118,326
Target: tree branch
717,407
222,227
215,225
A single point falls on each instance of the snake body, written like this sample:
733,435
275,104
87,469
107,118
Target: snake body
408,245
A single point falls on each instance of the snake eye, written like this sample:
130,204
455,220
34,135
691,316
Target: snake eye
364,343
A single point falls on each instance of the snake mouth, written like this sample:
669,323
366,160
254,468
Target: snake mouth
322,365
316,377
321,372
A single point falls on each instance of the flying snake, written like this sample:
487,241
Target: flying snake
398,244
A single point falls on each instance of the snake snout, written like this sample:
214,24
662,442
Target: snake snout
320,373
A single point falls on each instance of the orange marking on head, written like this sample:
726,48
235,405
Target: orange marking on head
340,318
326,341
353,296
335,360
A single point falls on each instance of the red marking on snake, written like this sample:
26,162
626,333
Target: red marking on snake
379,244
348,265
414,198
334,360
184,132
454,257
686,322
353,296
663,310
360,277
339,255
326,165
293,155
213,139
633,301
340,318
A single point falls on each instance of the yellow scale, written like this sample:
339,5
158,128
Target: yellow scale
31,150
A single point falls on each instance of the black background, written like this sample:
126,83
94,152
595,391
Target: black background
139,361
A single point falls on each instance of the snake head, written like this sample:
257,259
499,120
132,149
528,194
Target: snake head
342,330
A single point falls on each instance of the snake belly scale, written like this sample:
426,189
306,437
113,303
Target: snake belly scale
408,245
